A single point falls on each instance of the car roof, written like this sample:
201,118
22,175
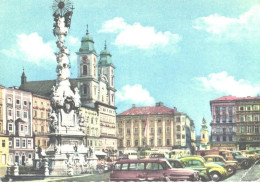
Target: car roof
140,160
213,156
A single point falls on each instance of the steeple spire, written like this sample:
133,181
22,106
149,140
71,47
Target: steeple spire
87,30
23,78
105,45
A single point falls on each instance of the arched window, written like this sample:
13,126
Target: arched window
85,70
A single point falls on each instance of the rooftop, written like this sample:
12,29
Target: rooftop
158,109
230,98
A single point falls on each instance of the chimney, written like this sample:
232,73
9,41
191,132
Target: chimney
158,104
133,105
175,108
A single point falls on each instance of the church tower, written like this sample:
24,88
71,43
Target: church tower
106,77
204,136
23,78
87,70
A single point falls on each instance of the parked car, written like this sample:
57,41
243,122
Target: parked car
249,154
150,170
243,161
157,155
175,163
231,166
208,171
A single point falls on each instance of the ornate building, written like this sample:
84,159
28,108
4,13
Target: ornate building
154,127
235,123
247,122
40,124
95,81
17,124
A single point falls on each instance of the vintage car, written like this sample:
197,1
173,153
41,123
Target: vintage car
249,154
208,171
150,170
157,155
243,161
231,166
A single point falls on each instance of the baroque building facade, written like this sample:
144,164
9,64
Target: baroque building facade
154,127
40,123
17,124
95,81
235,123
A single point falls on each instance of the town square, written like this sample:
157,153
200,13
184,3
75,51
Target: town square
129,91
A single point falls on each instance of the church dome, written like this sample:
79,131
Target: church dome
105,57
87,44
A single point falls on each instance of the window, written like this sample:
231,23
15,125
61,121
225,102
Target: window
249,129
241,108
230,129
25,114
152,130
42,115
256,118
224,138
29,143
223,109
17,143
248,108
248,118
256,129
25,103
159,130
85,70
178,119
218,118
217,108
136,130
242,129
168,130
128,131
23,143
10,143
124,167
21,127
183,136
35,113
25,129
18,101
151,141
120,130
154,166
217,130
193,163
3,143
224,118
242,119
218,139
224,130
10,127
42,129
84,90
128,143
18,114
183,128
30,156
178,128
230,138
136,142
230,119
168,142
9,100
9,112
178,136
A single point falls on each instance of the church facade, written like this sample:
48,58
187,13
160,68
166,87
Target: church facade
95,81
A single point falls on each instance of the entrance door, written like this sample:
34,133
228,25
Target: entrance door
16,159
23,160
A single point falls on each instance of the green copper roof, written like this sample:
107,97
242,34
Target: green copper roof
204,124
87,44
105,57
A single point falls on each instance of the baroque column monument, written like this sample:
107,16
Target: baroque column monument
66,154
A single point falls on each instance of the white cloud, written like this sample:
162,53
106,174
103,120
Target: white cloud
73,41
136,35
226,84
31,48
135,95
227,28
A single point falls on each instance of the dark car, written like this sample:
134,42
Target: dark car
243,161
150,170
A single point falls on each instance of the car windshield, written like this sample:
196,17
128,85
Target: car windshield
237,153
166,165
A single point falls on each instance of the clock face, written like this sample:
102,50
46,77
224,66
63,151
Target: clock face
85,58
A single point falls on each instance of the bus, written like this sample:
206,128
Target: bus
132,154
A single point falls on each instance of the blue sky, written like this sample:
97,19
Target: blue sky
183,53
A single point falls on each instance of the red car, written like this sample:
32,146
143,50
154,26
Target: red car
150,170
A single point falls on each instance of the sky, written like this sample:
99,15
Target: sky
181,52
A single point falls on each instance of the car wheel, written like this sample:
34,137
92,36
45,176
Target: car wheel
231,170
215,176
201,178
